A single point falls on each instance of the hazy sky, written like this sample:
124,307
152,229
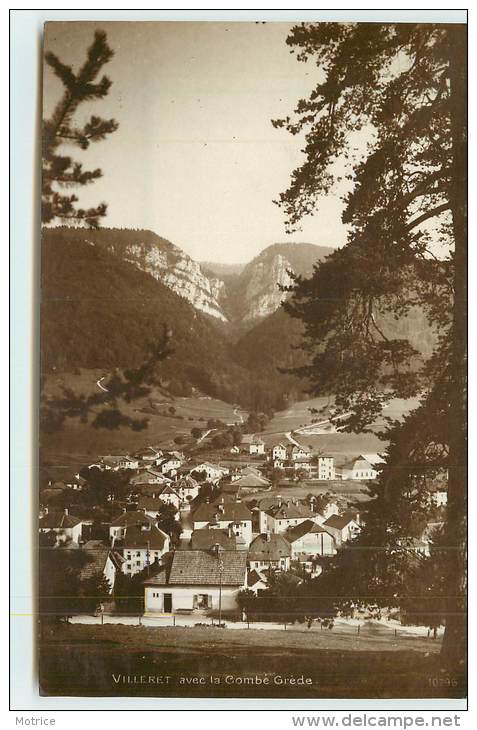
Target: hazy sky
196,158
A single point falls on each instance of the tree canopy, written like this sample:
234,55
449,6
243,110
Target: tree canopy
60,171
387,120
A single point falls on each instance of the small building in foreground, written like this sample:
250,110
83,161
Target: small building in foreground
195,580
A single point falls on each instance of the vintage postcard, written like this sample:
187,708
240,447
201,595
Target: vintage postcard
252,470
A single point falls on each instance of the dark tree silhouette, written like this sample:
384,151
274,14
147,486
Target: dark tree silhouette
403,88
61,171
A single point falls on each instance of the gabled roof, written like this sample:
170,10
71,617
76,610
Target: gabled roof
150,504
149,476
254,577
274,548
205,539
232,512
57,520
296,448
248,470
135,537
251,481
338,521
373,459
116,459
279,446
305,528
186,482
288,511
134,517
202,567
209,465
98,554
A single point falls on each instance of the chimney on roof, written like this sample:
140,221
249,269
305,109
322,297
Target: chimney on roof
279,499
269,536
124,510
66,510
237,499
288,503
221,508
230,530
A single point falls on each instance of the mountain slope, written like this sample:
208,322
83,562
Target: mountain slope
158,257
98,311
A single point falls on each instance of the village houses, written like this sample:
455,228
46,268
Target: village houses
135,536
213,472
117,463
221,515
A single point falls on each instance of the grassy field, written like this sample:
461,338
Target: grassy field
336,444
212,662
78,444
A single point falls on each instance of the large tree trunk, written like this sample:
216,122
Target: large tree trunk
455,637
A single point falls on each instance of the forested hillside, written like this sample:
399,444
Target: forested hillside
99,311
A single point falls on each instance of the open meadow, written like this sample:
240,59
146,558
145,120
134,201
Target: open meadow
169,417
213,662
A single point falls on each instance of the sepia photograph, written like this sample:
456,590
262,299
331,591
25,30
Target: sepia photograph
252,458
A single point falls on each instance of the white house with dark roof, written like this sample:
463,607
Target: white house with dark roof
342,527
153,505
135,536
256,446
187,488
221,515
309,539
282,515
170,464
206,539
299,453
279,452
123,461
213,472
66,527
195,580
269,551
149,476
256,582
148,456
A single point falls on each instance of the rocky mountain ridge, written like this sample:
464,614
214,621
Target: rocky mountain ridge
230,293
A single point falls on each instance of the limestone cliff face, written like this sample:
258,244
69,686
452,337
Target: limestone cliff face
258,292
262,279
175,269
